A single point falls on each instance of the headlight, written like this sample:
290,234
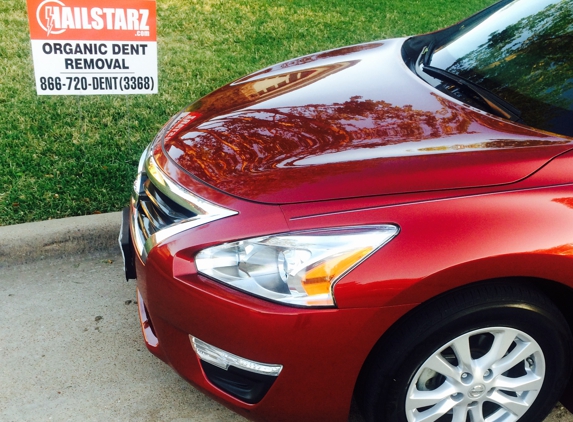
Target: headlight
298,268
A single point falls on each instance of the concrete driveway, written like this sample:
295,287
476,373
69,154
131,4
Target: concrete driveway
71,350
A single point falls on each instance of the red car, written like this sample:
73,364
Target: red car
391,221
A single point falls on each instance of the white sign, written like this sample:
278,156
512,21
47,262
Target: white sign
94,47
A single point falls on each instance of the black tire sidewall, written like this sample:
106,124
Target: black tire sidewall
544,325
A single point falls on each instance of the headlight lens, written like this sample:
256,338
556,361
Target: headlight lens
298,268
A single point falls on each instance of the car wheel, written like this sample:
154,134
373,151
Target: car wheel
487,353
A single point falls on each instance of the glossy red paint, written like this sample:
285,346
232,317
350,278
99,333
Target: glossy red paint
476,198
435,252
308,130
302,340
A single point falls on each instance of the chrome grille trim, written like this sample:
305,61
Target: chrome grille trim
155,196
160,208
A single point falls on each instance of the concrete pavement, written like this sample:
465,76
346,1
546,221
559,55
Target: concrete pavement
70,341
71,350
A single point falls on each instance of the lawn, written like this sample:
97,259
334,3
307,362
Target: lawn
66,156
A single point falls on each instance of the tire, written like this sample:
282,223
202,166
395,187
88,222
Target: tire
488,353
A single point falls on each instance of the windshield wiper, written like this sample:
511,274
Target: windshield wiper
498,106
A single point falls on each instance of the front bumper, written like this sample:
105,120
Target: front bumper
321,350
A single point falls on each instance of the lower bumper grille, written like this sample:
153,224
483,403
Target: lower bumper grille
243,385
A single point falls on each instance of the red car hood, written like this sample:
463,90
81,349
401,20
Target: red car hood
347,123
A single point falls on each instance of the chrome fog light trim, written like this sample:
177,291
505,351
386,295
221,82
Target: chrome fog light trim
223,360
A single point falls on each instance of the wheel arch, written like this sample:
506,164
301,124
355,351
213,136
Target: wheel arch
557,293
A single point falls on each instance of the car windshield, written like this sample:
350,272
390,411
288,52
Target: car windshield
521,53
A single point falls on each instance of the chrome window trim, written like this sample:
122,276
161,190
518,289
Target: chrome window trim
206,211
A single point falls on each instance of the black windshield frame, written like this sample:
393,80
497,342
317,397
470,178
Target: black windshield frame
552,113
414,46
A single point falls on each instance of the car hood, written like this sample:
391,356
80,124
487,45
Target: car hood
346,123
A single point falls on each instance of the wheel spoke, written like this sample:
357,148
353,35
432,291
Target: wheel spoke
476,413
461,347
460,413
515,405
434,412
501,344
420,398
526,382
521,351
442,366
469,383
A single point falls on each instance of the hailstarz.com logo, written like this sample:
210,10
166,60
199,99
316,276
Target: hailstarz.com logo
54,17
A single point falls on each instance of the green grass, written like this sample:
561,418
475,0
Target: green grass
65,156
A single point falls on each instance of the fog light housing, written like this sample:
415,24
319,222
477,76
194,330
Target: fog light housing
242,378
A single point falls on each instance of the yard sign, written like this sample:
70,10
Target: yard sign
94,47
